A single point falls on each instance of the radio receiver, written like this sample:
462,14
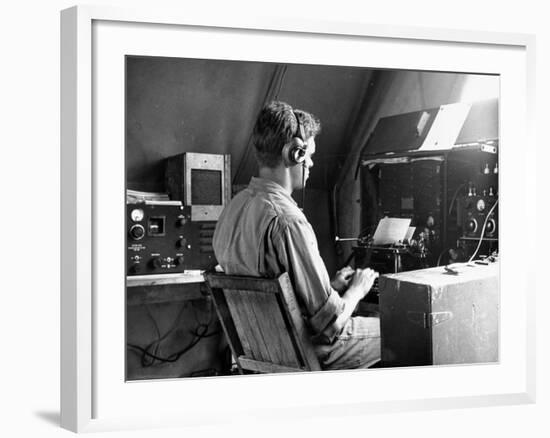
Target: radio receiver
162,239
202,181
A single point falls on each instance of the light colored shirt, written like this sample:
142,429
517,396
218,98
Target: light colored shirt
263,233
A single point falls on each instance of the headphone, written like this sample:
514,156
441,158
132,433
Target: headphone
294,152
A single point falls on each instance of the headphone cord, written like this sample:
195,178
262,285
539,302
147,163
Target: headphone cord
303,186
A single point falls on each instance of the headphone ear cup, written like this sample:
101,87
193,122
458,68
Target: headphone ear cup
299,154
294,152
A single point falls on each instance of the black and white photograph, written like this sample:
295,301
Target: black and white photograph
285,217
276,219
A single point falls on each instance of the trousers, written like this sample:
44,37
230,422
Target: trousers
357,346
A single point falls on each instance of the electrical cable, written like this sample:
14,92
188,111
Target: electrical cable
155,345
441,255
210,314
303,185
483,231
174,357
200,332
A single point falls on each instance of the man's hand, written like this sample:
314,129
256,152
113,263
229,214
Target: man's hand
342,278
359,285
362,280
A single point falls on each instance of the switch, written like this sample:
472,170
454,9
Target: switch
156,263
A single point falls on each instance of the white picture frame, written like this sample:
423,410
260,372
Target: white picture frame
90,401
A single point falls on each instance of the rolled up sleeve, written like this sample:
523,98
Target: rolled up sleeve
299,253
324,322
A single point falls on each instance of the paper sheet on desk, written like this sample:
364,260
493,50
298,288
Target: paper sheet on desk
410,233
391,230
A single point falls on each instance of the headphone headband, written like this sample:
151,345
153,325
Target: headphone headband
299,128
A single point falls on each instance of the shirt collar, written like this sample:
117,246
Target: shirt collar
269,186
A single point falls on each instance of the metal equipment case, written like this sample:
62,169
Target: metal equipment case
433,317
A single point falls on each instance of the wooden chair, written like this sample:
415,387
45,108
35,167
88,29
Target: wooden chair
262,323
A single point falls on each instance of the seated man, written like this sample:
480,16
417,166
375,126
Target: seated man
263,233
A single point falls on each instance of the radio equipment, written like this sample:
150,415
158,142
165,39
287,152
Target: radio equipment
473,211
202,181
417,165
162,239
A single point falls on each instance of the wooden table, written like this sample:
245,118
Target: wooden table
148,289
165,289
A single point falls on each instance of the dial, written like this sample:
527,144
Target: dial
480,205
137,232
137,215
491,226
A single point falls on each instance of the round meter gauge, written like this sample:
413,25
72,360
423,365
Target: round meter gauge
137,214
480,205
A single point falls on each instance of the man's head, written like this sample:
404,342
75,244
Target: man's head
278,125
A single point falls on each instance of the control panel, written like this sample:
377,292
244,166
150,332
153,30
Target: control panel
475,211
162,238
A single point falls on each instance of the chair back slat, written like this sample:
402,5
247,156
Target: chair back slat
263,329
298,325
266,321
247,326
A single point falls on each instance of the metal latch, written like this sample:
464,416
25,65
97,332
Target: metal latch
428,320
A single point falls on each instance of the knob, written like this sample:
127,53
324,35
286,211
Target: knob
137,232
480,205
181,222
156,263
430,221
180,260
135,268
491,226
181,242
472,226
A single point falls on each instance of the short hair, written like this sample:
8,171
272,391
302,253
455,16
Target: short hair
275,127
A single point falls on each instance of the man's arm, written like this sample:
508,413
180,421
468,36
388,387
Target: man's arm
360,284
326,311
